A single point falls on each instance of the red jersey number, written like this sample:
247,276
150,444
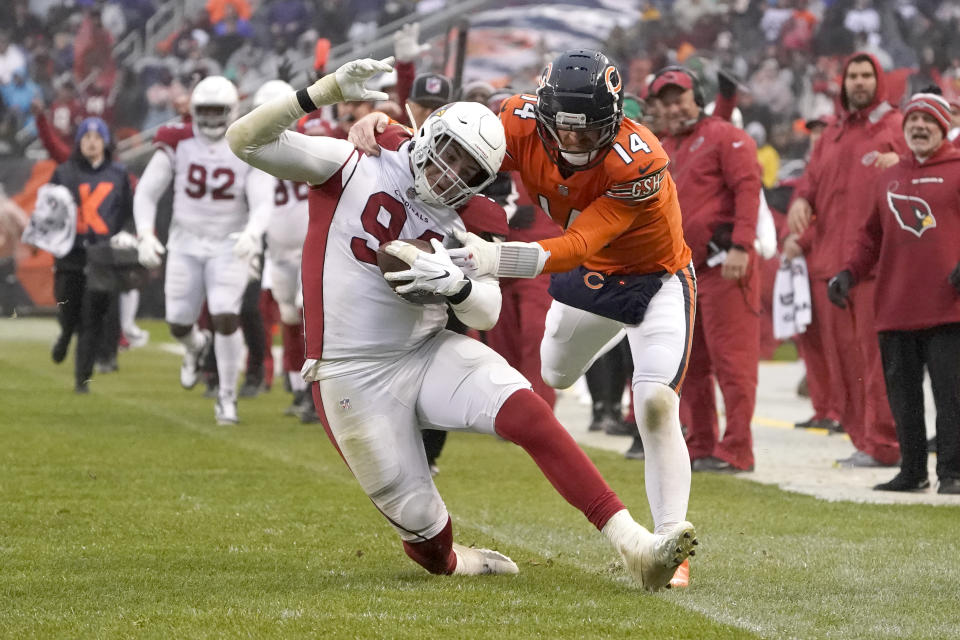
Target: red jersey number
197,179
281,194
383,234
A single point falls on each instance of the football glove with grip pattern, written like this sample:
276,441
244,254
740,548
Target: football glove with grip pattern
347,82
501,259
429,272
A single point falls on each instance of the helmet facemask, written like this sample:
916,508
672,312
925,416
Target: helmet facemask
456,154
594,140
212,120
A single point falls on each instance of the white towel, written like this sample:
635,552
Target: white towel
792,311
53,225
766,240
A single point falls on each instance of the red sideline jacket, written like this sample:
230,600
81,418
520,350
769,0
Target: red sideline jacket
840,178
913,237
718,180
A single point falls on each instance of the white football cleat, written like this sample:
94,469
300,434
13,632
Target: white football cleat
137,337
475,562
666,552
652,559
225,411
192,361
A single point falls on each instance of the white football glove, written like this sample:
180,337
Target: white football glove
149,251
501,259
406,43
430,272
123,240
247,245
352,76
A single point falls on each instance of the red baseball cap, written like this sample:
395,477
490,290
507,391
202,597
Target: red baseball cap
672,78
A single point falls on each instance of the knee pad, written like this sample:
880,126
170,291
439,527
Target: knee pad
423,514
655,405
417,515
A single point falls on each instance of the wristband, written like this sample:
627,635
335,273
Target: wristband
461,295
305,102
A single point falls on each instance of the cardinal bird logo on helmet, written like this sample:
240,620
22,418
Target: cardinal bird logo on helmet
913,214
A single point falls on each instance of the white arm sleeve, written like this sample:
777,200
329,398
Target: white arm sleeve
154,181
260,193
481,309
261,139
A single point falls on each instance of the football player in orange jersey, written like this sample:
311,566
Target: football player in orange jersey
620,266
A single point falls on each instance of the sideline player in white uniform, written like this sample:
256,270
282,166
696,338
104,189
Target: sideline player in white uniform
220,210
281,271
386,368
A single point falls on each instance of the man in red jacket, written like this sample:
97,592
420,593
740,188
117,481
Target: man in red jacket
834,199
911,237
718,181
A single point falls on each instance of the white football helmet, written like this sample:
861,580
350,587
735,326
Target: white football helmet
213,105
270,90
474,129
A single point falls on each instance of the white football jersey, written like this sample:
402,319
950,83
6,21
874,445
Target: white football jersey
288,223
209,197
351,311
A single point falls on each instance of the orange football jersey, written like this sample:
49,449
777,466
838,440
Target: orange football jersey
621,216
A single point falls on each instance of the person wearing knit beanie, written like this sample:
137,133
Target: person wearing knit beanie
926,121
930,103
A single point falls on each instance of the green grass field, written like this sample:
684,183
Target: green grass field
129,513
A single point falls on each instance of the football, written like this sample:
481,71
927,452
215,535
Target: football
388,263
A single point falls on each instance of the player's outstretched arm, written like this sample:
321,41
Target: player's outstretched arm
261,138
479,257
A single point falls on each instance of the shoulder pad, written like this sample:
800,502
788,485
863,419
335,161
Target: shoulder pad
482,215
171,135
393,137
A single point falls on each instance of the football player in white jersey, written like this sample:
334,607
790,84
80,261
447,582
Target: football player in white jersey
383,367
281,271
221,206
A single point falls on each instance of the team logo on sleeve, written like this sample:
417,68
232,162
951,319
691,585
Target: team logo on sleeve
639,190
913,214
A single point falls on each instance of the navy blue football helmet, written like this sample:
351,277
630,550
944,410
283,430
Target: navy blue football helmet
581,90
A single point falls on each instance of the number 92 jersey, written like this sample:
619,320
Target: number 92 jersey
209,198
621,216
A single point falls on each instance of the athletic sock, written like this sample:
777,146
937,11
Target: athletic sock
434,554
526,420
229,351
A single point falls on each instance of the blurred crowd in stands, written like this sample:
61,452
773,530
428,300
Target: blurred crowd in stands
787,53
60,54
788,56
